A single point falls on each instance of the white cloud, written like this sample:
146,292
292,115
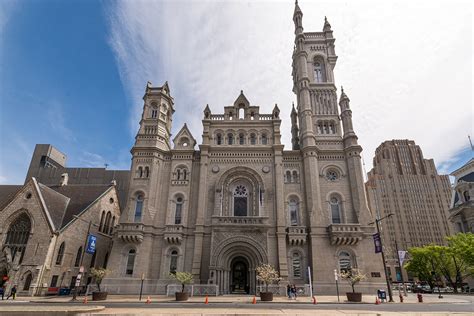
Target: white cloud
407,67
57,121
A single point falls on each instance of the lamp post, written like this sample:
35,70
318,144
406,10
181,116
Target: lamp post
389,288
401,271
337,285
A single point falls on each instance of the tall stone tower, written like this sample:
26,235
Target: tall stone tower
335,198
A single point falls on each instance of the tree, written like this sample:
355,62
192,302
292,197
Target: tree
462,245
183,278
99,274
353,276
267,274
420,264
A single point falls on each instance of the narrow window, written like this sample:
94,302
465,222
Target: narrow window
78,257
130,262
106,260
288,176
230,116
293,205
241,113
252,116
185,174
174,262
240,201
296,261
335,210
241,139
344,261
93,259
219,139
264,139
59,258
101,221
140,172
147,172
230,139
54,281
295,177
138,208
26,285
178,211
319,72
178,174
252,139
112,226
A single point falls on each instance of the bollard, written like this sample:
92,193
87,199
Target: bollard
254,301
314,300
206,301
401,298
148,300
420,298
377,301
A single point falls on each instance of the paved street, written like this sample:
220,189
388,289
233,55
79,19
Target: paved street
241,305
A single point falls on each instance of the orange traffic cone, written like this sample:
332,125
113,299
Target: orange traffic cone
85,300
314,300
148,300
206,301
377,302
254,301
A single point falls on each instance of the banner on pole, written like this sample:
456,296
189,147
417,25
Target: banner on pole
402,255
91,241
377,243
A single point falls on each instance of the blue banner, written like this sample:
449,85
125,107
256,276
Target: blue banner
91,242
377,243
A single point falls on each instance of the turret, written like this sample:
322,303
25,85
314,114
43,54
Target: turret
295,140
346,116
298,19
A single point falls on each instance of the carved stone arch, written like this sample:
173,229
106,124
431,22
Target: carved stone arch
337,193
295,194
127,247
240,170
233,246
12,218
325,169
352,253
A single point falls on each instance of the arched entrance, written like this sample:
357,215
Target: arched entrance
239,275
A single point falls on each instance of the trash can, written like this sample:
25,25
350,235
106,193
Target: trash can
64,291
382,295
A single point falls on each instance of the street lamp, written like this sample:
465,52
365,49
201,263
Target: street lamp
389,289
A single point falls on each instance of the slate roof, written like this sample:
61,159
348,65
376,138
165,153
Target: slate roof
7,192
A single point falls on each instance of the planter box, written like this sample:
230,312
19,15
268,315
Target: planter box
266,296
99,296
180,296
354,297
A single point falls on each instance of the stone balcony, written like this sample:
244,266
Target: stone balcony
130,232
254,221
173,234
345,234
296,235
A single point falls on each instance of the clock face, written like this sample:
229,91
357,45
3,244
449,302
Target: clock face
331,175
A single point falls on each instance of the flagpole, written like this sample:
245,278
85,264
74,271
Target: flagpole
401,269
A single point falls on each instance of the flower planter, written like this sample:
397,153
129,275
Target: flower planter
99,296
354,297
182,296
266,296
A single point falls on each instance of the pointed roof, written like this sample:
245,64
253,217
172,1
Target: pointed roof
344,97
293,110
166,87
297,9
184,132
206,109
242,99
327,26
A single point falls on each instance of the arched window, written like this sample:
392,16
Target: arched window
17,236
296,263
230,139
112,226
345,262
185,174
241,139
240,200
174,261
60,256
293,209
264,139
154,112
94,255
288,176
78,257
231,116
108,218
295,177
252,139
335,205
178,174
138,208
319,75
26,285
178,211
130,262
241,113
101,226
147,172
467,198
219,139
140,172
106,260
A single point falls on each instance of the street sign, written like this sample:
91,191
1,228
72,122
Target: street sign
377,243
91,242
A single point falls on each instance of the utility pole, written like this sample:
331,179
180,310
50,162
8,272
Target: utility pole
389,288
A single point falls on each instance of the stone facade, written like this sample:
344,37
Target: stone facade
241,199
405,184
461,213
54,216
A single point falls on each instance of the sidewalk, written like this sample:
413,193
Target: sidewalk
320,299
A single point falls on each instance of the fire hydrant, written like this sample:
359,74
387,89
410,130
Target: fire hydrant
401,298
420,298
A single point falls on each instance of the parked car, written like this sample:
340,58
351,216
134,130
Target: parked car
422,289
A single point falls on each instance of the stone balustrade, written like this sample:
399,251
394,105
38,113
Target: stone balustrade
130,232
345,234
240,220
296,235
173,234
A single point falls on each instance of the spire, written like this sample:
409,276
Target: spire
207,112
298,18
327,26
293,110
344,97
276,111
297,9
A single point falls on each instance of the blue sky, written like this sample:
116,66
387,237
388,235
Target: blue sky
72,73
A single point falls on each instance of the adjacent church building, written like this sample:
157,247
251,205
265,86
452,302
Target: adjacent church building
241,199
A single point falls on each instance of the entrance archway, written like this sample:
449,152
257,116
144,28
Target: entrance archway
239,275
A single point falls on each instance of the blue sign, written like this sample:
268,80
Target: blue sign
91,242
377,243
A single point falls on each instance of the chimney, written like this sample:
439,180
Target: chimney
113,182
64,179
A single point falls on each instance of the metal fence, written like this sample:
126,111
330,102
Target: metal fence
194,290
